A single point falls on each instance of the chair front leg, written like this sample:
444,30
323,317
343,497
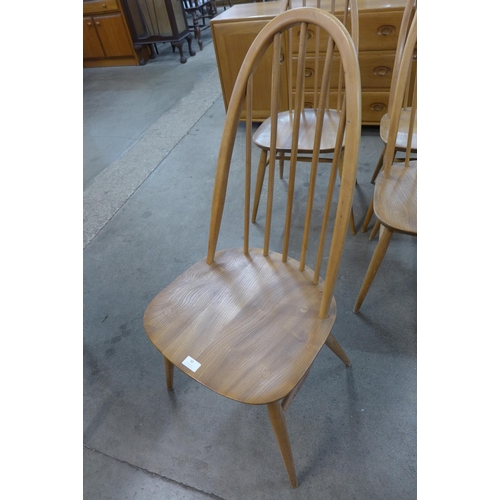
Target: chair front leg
378,256
277,418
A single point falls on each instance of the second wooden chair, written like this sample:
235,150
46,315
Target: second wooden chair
395,196
305,101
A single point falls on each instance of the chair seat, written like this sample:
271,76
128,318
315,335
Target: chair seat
404,124
395,198
252,322
331,120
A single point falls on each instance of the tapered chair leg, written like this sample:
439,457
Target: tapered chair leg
258,183
377,258
169,372
375,229
379,165
282,166
337,350
277,418
368,217
352,224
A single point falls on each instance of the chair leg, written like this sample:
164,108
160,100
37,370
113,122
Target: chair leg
277,418
169,372
352,223
379,165
375,229
378,256
258,183
337,350
197,31
282,166
368,217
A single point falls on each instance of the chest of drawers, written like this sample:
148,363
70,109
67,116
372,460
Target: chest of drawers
234,30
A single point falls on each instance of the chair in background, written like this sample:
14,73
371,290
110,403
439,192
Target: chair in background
200,10
402,138
248,323
395,196
308,105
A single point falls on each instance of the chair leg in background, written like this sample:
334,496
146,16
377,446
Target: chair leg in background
258,183
375,229
379,165
277,418
368,217
352,223
169,372
377,258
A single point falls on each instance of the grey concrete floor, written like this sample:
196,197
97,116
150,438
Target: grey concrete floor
353,431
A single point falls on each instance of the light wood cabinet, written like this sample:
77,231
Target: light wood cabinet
234,30
106,39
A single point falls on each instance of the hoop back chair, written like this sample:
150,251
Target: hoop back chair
395,195
248,322
308,100
408,119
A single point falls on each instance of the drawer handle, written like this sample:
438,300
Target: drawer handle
309,72
282,57
381,70
308,104
98,23
89,24
377,106
386,30
310,34
104,6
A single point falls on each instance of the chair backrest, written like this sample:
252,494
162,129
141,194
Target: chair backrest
347,12
404,94
271,37
408,13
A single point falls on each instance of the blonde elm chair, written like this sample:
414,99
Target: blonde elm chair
395,195
308,100
406,113
248,322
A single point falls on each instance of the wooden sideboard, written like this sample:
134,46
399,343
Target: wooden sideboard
234,30
106,37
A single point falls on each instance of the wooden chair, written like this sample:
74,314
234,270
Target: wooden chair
248,322
200,10
308,104
402,138
395,196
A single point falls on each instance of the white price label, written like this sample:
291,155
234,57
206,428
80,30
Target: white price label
191,363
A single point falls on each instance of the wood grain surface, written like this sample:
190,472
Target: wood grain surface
252,322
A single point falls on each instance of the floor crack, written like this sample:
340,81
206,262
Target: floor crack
155,474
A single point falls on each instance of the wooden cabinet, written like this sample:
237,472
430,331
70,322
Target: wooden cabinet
234,30
106,39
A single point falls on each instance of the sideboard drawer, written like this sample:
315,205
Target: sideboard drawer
375,70
379,30
373,105
99,6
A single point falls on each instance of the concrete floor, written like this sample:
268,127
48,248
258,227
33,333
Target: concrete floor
151,137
